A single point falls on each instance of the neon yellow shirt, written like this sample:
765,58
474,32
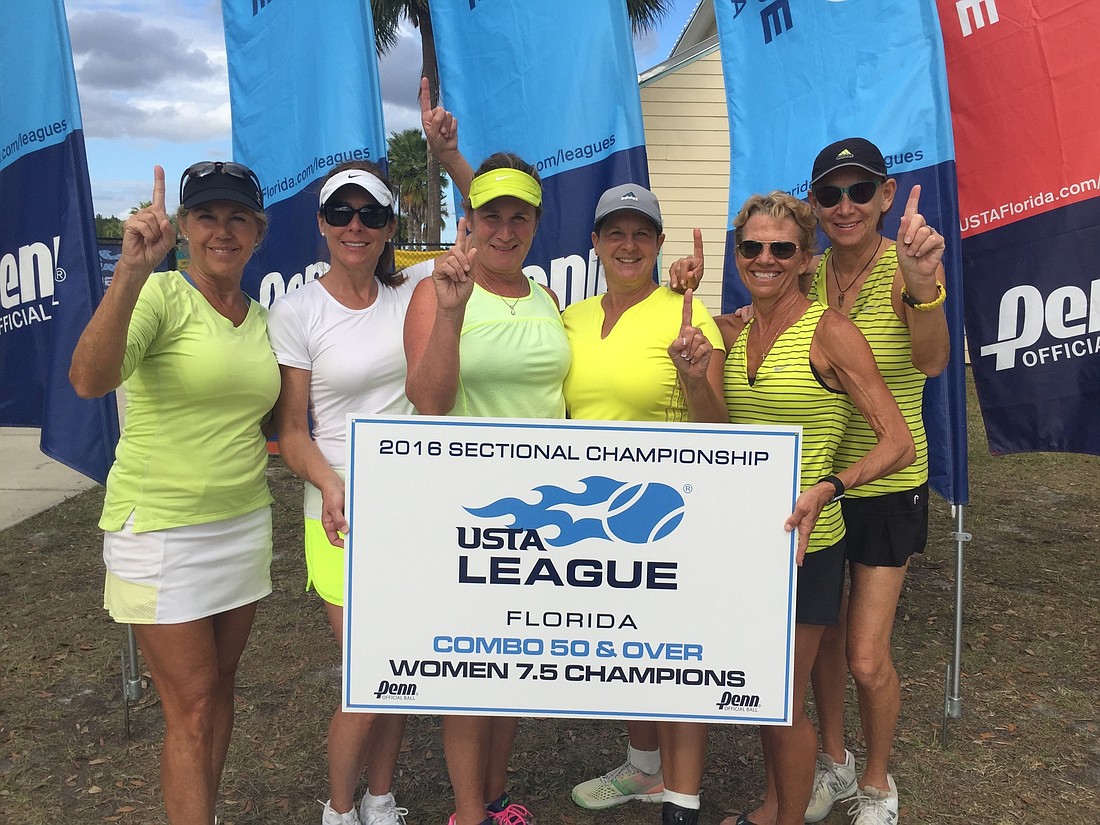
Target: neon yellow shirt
628,376
196,388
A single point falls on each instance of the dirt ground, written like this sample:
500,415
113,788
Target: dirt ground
1026,749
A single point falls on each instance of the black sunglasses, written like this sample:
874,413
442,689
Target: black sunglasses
228,167
372,215
861,192
782,250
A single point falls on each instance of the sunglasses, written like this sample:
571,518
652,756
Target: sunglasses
781,250
372,215
862,192
218,167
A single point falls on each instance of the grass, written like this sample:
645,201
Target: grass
1027,748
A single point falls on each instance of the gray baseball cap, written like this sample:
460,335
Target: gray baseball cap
632,196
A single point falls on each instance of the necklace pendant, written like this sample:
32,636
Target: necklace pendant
840,299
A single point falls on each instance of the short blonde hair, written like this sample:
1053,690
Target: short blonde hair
778,205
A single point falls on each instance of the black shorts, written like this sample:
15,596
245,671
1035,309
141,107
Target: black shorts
884,531
819,586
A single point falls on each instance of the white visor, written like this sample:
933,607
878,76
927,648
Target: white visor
364,180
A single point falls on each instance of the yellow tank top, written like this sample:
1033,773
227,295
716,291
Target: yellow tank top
513,357
787,391
873,312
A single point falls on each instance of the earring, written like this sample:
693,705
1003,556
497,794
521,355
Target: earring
322,234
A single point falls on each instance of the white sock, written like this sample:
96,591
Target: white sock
645,761
373,801
684,800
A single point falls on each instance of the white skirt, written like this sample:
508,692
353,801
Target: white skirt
187,573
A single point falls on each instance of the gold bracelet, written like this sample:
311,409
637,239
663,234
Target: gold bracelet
941,296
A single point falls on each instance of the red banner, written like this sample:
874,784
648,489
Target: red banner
1025,103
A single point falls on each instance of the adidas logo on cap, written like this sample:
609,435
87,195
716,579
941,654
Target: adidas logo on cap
629,196
844,153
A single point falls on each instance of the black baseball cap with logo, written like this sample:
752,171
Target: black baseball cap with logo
853,151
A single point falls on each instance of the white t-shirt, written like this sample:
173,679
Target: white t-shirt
356,357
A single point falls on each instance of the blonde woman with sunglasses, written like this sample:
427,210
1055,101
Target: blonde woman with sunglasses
797,362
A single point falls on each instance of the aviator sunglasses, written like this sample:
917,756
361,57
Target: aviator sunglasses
211,167
781,250
372,215
860,193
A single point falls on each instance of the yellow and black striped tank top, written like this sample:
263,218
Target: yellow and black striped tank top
873,312
787,391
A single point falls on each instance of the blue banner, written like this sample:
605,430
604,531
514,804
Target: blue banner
564,97
801,74
49,269
305,97
1036,338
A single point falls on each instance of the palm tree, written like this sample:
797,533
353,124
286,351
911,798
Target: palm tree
388,14
408,171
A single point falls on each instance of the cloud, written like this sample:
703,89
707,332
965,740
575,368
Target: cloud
107,115
146,56
141,80
399,75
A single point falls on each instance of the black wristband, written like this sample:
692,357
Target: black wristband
838,485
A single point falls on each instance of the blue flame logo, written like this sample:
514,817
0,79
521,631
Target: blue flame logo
607,509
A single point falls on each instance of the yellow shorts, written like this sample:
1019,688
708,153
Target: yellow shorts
324,564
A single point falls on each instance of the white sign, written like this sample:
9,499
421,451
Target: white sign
563,568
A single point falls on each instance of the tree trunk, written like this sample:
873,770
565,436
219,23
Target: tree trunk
431,71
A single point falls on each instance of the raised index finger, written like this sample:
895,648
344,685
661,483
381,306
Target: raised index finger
913,204
461,237
698,234
688,295
425,100
158,188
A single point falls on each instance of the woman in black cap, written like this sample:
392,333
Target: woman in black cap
187,515
894,293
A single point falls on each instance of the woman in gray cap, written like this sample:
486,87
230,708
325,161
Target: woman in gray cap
641,352
893,290
187,515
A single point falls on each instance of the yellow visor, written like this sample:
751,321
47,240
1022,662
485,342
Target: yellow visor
497,183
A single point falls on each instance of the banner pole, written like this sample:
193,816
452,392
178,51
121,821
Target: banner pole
952,707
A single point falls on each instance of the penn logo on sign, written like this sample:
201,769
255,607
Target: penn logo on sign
1023,317
737,701
27,279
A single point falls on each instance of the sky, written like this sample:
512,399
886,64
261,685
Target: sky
154,88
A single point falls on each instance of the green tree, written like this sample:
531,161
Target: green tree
108,227
408,169
388,14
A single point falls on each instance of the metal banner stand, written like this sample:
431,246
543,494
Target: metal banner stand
952,697
131,676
